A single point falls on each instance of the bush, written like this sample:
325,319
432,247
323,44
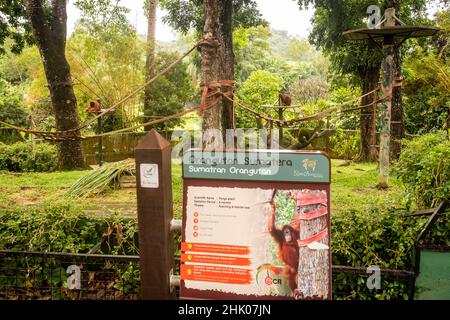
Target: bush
360,239
64,228
382,238
23,157
262,87
424,169
345,145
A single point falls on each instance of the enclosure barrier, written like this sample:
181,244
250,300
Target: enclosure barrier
67,276
45,276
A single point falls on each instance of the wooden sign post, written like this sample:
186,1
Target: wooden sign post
256,227
154,196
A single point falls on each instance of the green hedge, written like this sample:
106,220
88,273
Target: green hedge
65,228
360,239
424,169
24,157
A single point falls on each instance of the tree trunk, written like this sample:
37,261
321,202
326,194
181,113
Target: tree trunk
228,60
397,123
397,113
150,63
313,270
218,62
368,119
50,36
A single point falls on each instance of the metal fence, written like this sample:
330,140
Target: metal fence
59,276
63,276
350,283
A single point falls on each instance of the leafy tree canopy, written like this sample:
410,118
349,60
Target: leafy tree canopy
262,87
332,18
13,25
185,15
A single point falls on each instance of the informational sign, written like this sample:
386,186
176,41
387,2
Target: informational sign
149,176
256,227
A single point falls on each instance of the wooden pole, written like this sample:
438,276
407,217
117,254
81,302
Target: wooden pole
154,204
100,142
281,118
388,74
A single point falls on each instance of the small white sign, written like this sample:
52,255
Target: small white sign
149,176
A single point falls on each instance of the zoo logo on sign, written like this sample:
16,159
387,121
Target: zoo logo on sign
310,165
149,173
149,176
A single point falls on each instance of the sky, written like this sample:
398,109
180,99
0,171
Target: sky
281,14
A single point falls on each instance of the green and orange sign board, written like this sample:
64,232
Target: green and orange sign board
252,224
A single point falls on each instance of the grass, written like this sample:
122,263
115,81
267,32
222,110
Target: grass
352,187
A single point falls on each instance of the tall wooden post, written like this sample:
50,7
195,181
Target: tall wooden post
281,118
388,74
154,202
100,142
212,118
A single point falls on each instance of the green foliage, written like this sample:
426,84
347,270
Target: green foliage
349,120
187,15
108,63
332,18
101,14
377,237
26,157
64,228
252,51
18,69
384,238
427,87
345,145
14,25
309,90
424,169
11,108
170,92
262,87
285,205
440,233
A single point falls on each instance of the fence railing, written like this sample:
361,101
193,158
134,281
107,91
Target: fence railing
67,276
63,276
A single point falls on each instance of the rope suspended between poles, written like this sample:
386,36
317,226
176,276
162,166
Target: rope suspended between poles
214,89
57,136
317,116
74,135
139,89
150,123
212,94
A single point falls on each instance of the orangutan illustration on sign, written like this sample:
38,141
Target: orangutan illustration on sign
301,237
